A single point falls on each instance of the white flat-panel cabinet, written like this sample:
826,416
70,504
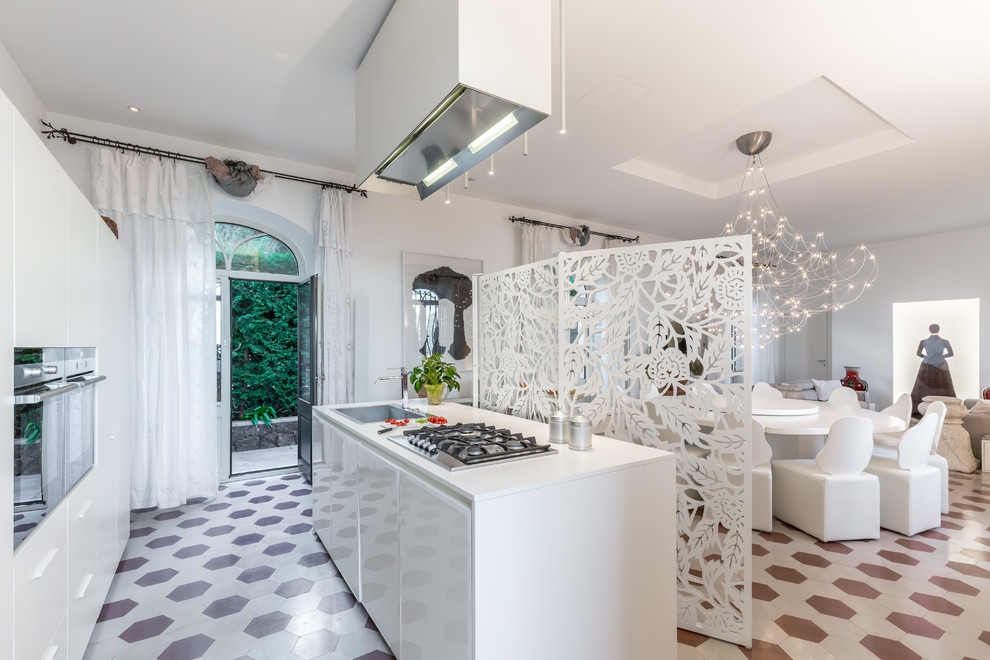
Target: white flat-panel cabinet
435,538
82,275
107,515
322,500
345,541
83,511
40,585
113,409
41,276
378,485
84,608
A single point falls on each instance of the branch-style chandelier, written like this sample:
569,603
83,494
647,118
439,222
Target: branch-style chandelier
793,278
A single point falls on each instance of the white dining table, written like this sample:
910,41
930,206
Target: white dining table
775,405
803,436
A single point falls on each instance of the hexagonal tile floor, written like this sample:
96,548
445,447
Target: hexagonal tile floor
241,576
898,597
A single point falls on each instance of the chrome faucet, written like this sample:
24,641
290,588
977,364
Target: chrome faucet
404,375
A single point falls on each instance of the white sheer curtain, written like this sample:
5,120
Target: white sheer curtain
535,243
163,211
333,239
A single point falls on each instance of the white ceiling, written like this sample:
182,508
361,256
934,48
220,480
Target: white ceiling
880,110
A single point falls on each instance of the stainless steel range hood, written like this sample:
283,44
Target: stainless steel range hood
445,84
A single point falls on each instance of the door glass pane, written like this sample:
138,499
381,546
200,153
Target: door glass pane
219,341
264,255
263,364
305,341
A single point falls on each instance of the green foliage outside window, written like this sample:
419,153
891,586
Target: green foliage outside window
263,361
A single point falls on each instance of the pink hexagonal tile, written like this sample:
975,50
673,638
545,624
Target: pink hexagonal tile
801,628
915,625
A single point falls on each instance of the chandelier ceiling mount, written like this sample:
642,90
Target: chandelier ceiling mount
754,143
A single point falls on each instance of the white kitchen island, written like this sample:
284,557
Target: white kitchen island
570,555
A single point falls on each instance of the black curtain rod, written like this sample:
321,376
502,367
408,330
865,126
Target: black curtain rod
73,138
513,218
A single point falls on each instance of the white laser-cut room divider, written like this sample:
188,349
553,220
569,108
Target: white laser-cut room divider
650,342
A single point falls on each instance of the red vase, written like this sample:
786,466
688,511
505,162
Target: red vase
986,392
853,381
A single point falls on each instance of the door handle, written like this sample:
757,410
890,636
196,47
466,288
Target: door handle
38,398
43,565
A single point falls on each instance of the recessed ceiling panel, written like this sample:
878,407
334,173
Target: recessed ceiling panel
614,94
815,126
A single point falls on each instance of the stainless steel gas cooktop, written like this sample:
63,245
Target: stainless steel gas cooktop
460,446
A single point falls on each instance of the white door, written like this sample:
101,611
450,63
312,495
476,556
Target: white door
806,354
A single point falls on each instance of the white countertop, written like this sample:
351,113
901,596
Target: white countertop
499,479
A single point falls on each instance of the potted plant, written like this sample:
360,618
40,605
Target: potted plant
434,374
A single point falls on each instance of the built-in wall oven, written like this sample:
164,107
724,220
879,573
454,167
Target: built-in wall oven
54,429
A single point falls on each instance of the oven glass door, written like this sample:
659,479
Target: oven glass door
79,432
38,438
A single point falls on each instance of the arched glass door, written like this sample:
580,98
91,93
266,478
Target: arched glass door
257,350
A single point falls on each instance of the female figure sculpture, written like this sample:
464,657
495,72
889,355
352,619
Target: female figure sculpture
933,377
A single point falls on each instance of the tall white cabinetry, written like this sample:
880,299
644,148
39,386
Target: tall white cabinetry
6,375
70,288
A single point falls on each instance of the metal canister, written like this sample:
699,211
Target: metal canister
579,432
558,427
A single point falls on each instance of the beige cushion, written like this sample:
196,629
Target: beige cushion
981,407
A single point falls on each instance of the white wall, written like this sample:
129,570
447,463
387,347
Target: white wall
938,267
19,91
384,226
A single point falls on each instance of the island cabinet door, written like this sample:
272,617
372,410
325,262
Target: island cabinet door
345,549
435,573
378,485
322,500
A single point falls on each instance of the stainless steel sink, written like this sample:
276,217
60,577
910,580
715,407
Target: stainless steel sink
378,412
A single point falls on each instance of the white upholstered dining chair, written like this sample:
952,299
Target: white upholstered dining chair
901,409
829,496
844,397
767,391
909,487
885,446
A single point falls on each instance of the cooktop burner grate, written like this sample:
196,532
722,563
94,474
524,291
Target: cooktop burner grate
458,446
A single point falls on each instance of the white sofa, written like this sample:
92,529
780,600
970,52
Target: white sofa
805,389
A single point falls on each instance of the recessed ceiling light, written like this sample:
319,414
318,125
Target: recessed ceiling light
134,108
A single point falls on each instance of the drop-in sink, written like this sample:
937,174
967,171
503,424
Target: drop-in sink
378,412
